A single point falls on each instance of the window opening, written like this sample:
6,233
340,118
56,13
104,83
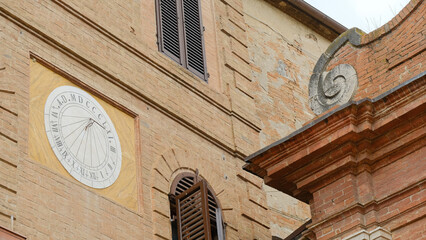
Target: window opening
194,209
181,34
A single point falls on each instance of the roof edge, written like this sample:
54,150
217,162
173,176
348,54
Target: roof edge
318,15
311,17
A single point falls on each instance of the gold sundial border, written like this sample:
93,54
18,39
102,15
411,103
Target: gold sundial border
82,84
35,57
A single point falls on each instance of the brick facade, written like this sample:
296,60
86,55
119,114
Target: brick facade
108,48
361,165
388,56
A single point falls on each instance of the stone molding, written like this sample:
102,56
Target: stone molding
376,234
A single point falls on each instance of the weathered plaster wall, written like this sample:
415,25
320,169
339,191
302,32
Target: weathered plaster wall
286,212
282,54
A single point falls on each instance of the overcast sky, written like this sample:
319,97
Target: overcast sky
364,14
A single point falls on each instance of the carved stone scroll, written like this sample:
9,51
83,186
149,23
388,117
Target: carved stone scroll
331,88
338,86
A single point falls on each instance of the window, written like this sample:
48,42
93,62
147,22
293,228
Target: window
194,209
181,34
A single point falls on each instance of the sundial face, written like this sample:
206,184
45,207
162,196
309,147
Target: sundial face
82,137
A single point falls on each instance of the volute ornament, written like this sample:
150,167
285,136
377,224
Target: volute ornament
335,87
338,86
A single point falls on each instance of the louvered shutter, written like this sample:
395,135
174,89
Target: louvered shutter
194,38
193,213
169,29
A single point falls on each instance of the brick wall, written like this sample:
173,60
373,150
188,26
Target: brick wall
389,55
360,166
182,124
282,53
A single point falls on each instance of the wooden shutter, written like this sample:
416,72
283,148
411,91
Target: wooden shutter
194,38
169,30
212,207
193,213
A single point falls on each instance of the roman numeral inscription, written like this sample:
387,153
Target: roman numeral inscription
73,98
55,114
54,126
58,141
93,176
64,154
